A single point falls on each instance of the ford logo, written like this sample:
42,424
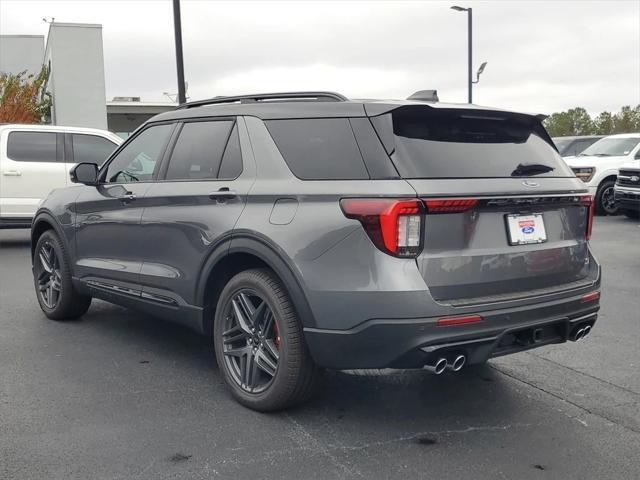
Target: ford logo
528,230
530,184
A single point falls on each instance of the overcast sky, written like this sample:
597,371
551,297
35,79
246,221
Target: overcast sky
543,56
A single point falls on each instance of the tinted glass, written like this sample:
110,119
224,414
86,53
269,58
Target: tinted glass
319,148
198,152
611,147
231,166
440,143
32,146
137,161
562,144
91,148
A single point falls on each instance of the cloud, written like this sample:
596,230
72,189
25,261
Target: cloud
543,56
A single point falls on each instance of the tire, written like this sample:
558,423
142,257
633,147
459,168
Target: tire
57,297
605,203
275,324
633,214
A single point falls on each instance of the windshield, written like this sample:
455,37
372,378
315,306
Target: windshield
561,143
457,143
612,147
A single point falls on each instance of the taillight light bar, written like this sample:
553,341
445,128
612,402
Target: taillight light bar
449,205
462,320
393,225
587,201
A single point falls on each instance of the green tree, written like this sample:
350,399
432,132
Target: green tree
627,120
603,124
23,98
575,121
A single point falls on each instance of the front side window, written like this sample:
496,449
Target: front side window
138,160
205,151
32,146
91,148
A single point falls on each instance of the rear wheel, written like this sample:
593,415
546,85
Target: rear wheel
56,295
605,199
260,345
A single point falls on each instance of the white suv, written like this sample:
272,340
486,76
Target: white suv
35,159
598,166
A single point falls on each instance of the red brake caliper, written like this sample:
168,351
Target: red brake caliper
276,337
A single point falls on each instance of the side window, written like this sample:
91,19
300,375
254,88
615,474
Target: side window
32,146
91,148
138,159
319,148
201,151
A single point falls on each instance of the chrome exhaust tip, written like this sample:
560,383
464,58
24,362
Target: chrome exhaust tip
579,334
586,331
458,363
437,367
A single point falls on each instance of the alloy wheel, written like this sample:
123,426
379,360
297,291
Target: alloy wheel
251,341
608,200
49,277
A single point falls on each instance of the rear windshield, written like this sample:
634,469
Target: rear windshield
457,143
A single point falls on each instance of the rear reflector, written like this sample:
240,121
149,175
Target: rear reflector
447,321
590,297
393,225
587,201
449,205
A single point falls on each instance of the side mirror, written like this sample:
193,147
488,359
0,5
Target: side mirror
86,173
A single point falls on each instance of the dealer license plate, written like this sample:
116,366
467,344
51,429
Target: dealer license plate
524,229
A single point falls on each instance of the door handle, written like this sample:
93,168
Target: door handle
128,197
223,194
12,173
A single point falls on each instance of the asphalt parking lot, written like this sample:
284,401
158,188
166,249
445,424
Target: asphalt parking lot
123,395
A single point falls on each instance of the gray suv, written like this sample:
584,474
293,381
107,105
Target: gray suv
303,231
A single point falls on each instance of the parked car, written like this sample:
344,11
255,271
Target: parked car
572,146
35,159
627,189
306,230
598,167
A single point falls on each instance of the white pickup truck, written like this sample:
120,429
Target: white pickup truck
35,159
598,165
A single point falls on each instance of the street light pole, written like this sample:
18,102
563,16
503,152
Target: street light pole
470,54
177,30
469,47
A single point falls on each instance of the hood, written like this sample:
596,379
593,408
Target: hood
632,165
593,161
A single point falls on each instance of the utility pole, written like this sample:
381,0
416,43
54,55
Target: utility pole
470,55
177,30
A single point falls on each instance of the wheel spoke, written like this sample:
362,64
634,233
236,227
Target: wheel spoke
249,370
265,363
237,352
242,320
271,349
45,262
267,322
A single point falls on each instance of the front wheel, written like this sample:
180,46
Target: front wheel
259,343
605,198
56,295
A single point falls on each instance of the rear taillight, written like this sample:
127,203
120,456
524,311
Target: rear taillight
587,201
590,297
449,205
462,320
394,225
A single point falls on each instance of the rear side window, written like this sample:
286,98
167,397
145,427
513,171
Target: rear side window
91,148
206,150
32,146
319,148
457,143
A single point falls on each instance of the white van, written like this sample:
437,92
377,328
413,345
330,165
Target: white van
35,159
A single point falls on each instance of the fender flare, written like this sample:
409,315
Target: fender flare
262,248
44,216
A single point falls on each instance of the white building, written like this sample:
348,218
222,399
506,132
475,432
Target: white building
74,55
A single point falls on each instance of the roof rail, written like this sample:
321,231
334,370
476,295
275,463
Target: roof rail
267,97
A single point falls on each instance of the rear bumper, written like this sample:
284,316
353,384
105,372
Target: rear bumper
413,343
627,197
